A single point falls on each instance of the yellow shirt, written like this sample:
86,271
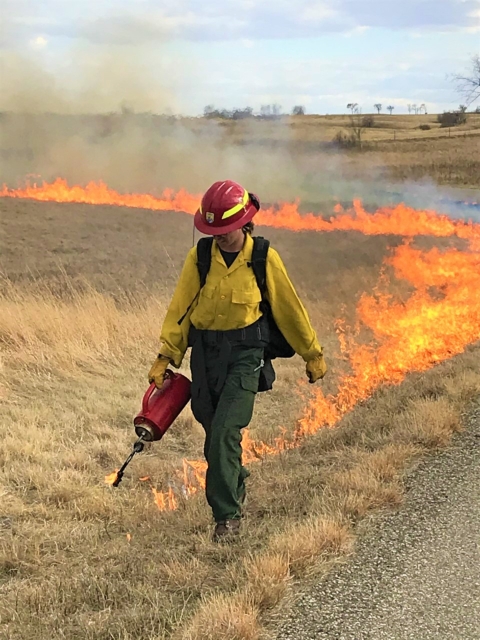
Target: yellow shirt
231,299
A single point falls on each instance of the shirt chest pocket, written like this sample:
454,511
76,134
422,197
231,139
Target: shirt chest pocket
246,296
208,292
205,311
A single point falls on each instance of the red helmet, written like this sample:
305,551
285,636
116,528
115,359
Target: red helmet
225,207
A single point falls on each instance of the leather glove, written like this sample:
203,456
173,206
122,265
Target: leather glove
158,370
316,368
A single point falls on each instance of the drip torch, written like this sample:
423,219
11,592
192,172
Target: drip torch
160,408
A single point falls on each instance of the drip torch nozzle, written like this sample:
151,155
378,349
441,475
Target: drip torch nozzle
137,448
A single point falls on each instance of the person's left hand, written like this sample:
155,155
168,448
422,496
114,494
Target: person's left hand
316,368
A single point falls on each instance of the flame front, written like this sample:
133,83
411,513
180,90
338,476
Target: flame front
438,321
399,220
99,193
441,317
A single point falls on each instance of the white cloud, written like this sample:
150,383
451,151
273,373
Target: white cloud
317,12
357,31
122,21
39,42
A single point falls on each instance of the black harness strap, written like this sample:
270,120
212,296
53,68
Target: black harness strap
259,266
204,260
278,346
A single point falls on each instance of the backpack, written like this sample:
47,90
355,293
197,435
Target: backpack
278,347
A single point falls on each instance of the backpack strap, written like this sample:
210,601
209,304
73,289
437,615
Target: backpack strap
259,263
204,260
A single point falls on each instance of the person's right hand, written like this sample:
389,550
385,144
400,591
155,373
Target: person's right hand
158,370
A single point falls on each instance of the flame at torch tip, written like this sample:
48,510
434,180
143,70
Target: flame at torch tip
110,479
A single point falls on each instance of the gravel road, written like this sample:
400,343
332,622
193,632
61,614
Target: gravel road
416,573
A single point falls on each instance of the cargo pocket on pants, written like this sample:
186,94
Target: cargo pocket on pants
250,383
243,408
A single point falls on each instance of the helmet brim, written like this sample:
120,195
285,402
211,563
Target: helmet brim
212,230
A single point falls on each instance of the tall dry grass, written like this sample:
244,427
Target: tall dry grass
72,372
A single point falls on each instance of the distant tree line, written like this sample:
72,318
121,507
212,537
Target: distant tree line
468,86
267,112
354,108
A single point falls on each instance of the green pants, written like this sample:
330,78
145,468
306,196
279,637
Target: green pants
233,408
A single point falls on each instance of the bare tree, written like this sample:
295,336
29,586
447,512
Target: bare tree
468,86
270,111
390,108
298,110
378,107
409,107
423,108
353,106
357,124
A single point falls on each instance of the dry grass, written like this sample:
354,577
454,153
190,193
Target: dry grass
454,161
320,129
224,617
72,367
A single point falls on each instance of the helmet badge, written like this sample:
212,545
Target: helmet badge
210,217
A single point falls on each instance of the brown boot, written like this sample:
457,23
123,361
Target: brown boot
226,530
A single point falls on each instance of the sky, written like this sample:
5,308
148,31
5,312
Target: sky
181,55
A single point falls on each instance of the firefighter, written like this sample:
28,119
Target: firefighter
223,320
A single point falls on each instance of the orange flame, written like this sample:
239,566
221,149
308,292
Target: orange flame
437,322
100,193
165,501
399,220
193,476
110,479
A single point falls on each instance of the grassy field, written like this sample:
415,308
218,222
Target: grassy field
82,296
321,129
